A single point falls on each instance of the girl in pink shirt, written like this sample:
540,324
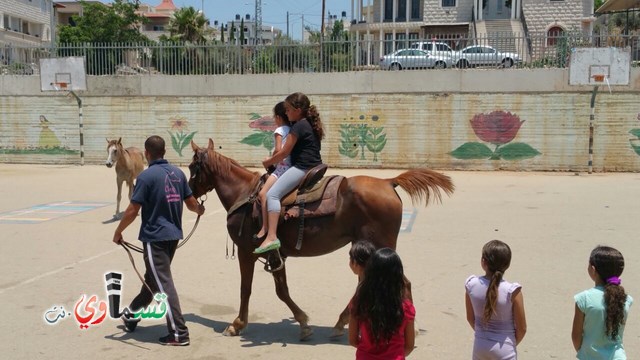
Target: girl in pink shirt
381,318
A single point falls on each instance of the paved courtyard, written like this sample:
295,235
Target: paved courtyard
56,225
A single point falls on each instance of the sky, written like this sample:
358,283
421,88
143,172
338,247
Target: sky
274,12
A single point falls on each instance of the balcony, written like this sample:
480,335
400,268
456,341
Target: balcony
18,38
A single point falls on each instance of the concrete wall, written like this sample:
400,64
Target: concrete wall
514,119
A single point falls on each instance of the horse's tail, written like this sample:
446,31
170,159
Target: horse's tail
422,183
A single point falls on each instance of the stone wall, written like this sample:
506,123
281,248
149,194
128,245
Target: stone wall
514,119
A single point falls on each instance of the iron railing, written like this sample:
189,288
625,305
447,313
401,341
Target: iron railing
541,50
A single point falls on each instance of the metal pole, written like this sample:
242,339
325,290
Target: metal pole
80,126
287,24
592,118
322,38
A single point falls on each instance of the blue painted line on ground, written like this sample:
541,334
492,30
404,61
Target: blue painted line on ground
45,212
408,218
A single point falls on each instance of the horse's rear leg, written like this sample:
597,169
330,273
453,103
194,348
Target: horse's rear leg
282,289
247,265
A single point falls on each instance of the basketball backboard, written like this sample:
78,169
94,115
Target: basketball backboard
595,66
63,74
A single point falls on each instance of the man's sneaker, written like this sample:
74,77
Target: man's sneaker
171,340
130,323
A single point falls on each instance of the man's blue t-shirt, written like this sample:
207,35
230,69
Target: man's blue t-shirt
161,190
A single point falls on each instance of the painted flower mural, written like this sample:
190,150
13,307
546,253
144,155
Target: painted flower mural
361,137
635,143
263,134
498,128
179,138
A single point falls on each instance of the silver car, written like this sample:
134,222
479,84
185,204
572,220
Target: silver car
413,59
482,55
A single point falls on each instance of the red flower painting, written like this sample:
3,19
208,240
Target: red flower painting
497,127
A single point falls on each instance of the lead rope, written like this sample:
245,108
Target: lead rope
127,246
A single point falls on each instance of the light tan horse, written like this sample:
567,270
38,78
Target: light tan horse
129,164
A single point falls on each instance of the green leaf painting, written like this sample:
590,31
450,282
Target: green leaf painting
263,131
358,139
497,128
179,138
635,142
472,150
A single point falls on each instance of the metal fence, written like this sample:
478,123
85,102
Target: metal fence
534,51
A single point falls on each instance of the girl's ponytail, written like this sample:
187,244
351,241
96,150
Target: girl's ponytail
614,299
492,296
314,119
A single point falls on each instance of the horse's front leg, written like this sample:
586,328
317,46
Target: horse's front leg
282,289
247,266
343,320
119,196
130,186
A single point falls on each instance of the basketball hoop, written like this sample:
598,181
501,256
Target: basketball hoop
60,85
598,77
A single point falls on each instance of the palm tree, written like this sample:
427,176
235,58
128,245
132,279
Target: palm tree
188,24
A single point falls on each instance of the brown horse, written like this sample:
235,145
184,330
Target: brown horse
367,209
129,164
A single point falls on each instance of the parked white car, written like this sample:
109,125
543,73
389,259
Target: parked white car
434,48
483,55
413,59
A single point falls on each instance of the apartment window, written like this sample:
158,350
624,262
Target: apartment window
5,19
388,43
401,41
448,3
388,10
402,11
415,10
553,34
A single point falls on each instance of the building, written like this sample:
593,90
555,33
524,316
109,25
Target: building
158,18
387,25
24,26
266,36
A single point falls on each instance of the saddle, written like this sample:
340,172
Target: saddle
315,196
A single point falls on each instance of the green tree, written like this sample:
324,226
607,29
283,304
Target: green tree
104,24
242,32
188,25
222,33
99,23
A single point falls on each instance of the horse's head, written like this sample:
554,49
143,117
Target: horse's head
201,177
112,151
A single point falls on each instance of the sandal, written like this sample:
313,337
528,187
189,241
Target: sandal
275,244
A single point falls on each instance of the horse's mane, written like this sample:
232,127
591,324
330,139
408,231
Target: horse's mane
221,164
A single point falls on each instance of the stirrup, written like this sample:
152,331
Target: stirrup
274,262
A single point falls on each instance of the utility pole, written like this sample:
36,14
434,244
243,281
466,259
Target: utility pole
322,38
258,22
287,24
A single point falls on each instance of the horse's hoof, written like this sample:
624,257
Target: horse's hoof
305,333
336,333
230,331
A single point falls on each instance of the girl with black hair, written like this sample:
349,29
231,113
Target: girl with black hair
381,317
495,307
601,312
